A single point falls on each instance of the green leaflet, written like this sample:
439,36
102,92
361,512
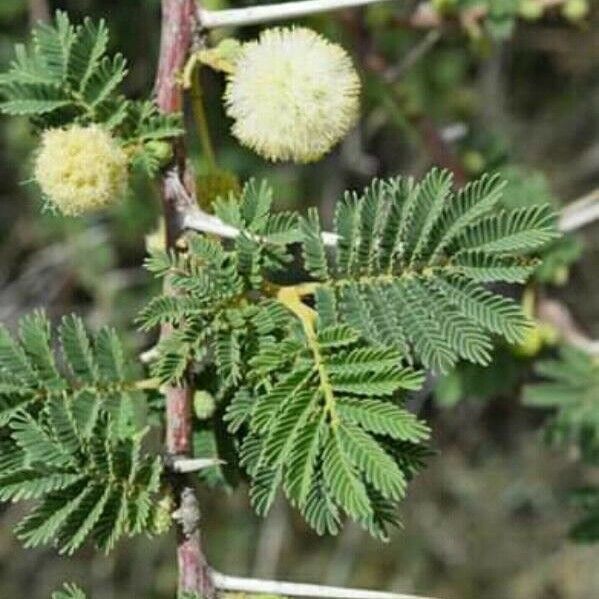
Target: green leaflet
571,389
94,371
89,485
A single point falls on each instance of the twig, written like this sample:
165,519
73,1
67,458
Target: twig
558,316
266,13
580,213
413,56
294,589
426,16
39,12
198,220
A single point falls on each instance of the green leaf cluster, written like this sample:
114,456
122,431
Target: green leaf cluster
66,76
413,259
571,391
69,591
311,378
69,439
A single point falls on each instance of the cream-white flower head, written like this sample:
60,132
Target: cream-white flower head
81,169
293,95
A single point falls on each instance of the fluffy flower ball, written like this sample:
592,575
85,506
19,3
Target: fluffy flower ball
81,169
293,95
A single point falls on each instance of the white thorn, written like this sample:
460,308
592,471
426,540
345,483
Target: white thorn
265,13
295,589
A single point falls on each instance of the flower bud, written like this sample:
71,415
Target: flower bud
203,405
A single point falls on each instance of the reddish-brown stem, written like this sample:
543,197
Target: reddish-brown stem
439,150
178,23
39,11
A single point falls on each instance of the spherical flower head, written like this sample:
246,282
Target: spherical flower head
81,169
293,95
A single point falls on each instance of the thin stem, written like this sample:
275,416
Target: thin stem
417,53
199,114
273,12
291,298
198,220
147,384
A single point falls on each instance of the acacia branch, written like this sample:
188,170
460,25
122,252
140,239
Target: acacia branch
295,589
557,315
178,24
266,13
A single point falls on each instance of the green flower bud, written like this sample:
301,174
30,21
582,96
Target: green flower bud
575,10
530,10
162,151
162,515
203,405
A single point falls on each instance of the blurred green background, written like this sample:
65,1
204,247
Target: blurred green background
489,518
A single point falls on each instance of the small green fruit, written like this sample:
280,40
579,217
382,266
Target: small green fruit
531,10
160,150
473,161
162,516
531,345
203,405
575,10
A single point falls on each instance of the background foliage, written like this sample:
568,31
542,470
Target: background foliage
490,517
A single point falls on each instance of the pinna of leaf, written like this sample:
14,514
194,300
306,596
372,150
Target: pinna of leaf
309,388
